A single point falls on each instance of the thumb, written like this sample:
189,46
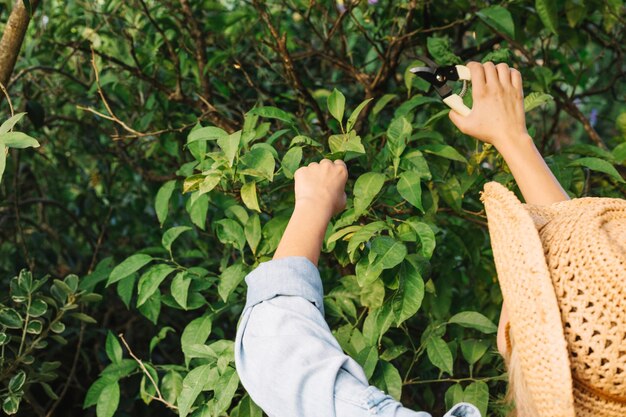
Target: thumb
459,120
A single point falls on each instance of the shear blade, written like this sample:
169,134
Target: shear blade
416,70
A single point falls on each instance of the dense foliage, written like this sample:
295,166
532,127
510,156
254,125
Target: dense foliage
170,132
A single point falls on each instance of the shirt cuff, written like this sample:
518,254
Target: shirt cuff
295,276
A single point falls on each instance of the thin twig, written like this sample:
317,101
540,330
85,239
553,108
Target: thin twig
6,94
145,371
72,371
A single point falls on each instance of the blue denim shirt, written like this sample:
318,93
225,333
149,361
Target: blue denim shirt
287,358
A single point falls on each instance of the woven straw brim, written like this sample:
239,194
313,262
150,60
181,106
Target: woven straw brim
531,303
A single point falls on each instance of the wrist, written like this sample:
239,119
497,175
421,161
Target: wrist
516,147
314,208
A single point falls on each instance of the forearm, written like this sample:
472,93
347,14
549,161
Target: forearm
535,180
305,232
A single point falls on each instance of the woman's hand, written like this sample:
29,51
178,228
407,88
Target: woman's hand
320,193
497,115
322,185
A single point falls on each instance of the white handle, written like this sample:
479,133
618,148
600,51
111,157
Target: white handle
464,72
456,103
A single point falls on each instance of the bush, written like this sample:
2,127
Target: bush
169,142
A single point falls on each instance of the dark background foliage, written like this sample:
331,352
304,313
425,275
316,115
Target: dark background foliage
144,113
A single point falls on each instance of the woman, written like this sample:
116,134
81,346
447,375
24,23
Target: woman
285,354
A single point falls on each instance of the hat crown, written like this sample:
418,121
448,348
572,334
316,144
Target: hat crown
584,243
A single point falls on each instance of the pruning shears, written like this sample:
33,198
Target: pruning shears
439,76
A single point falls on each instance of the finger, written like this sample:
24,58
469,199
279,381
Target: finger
457,119
340,163
326,162
504,75
478,77
516,81
491,75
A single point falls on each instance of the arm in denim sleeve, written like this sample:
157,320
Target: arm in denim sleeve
286,356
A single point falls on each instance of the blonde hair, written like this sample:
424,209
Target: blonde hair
517,395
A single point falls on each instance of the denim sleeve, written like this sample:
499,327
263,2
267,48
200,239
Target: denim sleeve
287,358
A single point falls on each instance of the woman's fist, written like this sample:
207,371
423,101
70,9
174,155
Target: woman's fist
322,185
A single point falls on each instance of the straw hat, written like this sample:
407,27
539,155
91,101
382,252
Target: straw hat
562,270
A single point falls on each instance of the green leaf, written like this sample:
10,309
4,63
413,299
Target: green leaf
619,153
381,103
149,282
193,384
408,298
162,202
209,183
273,113
393,381
259,162
439,354
196,332
3,162
291,161
398,132
171,386
477,393
474,320
17,381
11,404
576,11
37,308
230,146
498,18
444,151
363,235
206,133
34,327
230,279
180,288
159,337
368,358
108,400
355,114
94,391
84,317
249,196
600,165
152,307
229,232
454,395
336,105
247,408
426,237
547,11
18,140
10,318
441,50
125,288
12,121
473,350
365,189
113,348
407,107
389,252
171,235
350,143
409,187
252,231
198,211
228,384
536,99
